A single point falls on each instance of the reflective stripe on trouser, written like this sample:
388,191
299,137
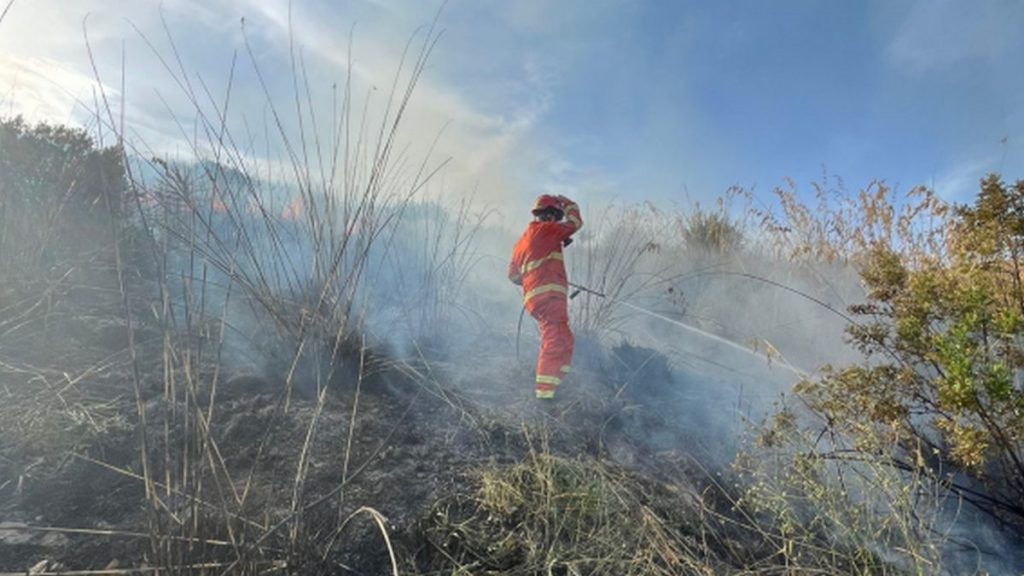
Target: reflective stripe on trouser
544,289
556,342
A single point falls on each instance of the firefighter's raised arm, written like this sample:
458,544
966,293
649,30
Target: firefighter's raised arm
572,214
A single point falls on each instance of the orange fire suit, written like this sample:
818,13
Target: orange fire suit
537,264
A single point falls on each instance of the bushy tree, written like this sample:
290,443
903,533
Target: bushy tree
55,184
940,387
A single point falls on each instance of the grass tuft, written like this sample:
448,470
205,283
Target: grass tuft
550,514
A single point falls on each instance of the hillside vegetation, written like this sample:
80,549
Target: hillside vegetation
205,371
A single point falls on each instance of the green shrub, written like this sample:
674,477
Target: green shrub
936,408
57,191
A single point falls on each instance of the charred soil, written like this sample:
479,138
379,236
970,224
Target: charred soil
118,452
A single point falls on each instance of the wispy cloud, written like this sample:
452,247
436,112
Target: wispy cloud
44,89
613,99
960,182
485,143
936,34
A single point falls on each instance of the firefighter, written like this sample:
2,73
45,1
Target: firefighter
537,265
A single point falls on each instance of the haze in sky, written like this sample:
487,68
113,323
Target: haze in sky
671,102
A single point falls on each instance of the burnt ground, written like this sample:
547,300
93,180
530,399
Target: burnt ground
248,478
72,494
246,475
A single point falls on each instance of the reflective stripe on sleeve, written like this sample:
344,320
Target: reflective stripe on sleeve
545,288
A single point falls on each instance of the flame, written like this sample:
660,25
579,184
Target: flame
293,211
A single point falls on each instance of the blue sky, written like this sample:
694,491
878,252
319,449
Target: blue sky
670,102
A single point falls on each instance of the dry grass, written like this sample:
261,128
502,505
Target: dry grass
291,261
218,248
841,226
551,514
216,254
626,254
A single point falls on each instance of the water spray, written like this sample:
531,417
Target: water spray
577,289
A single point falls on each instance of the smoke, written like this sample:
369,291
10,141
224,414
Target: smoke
734,342
286,243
